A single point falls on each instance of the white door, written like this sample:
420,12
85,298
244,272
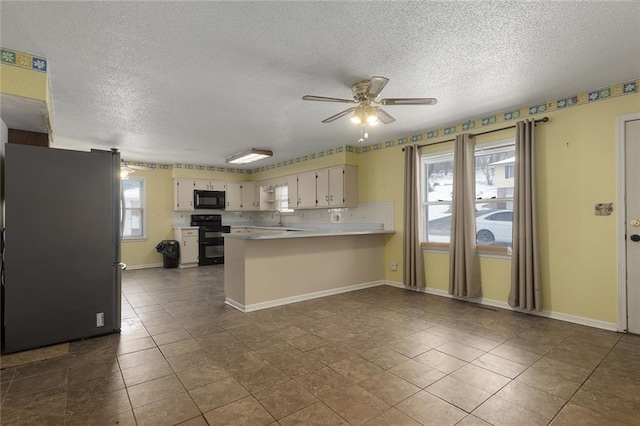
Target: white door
632,214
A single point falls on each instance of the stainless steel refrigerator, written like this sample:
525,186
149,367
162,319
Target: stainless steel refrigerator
62,245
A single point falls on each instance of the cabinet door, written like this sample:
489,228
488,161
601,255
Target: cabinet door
201,184
189,249
336,186
292,191
307,190
217,185
350,186
322,187
248,196
183,194
233,196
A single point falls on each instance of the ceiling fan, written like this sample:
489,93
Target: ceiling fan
126,169
369,111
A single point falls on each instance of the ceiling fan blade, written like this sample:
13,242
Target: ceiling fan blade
325,99
376,84
409,101
384,116
339,115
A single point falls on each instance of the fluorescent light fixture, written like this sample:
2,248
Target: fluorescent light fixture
249,156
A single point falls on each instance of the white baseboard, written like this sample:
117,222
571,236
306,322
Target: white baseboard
300,298
151,265
611,326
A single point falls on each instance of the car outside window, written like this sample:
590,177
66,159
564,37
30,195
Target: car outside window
495,164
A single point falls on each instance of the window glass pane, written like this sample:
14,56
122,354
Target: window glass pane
282,199
132,223
494,174
133,199
132,190
494,223
438,178
438,221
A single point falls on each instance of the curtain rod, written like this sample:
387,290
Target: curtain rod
542,120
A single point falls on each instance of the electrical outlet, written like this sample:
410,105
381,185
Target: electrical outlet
394,266
100,319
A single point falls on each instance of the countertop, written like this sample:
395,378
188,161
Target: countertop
305,231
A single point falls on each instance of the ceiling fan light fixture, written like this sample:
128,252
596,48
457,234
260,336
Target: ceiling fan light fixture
372,117
249,156
355,119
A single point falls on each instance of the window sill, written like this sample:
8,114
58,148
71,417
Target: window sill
134,239
483,251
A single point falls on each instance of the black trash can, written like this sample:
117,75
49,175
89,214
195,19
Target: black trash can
170,250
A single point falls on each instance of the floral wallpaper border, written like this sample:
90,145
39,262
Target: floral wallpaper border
615,90
23,60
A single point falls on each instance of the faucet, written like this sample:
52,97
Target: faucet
280,214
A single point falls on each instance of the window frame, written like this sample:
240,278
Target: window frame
504,145
142,208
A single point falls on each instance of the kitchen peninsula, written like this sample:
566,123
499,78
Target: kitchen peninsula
274,266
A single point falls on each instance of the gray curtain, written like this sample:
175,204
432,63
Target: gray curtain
526,288
464,269
413,266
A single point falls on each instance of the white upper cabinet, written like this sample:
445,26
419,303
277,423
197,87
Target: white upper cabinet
210,185
241,196
292,191
249,196
343,186
306,190
233,196
322,188
331,187
183,194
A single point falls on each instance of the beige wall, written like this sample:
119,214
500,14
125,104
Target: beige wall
576,168
159,215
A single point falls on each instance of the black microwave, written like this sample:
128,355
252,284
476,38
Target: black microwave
208,199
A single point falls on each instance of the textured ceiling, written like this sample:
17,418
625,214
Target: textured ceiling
194,82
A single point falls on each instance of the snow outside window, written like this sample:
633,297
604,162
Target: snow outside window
133,208
495,165
282,199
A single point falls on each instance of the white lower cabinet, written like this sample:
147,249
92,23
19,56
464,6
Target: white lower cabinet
188,239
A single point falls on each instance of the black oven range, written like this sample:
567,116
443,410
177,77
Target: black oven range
210,239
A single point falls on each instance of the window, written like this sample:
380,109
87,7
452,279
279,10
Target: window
282,199
495,166
133,208
509,171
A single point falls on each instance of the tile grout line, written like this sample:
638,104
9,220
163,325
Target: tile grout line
585,380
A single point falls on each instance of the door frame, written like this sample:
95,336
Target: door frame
621,209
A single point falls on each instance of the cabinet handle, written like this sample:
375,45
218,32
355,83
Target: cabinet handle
326,198
184,243
331,198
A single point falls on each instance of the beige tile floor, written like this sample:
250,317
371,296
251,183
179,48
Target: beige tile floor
380,356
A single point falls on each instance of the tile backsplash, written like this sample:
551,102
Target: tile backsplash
381,212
